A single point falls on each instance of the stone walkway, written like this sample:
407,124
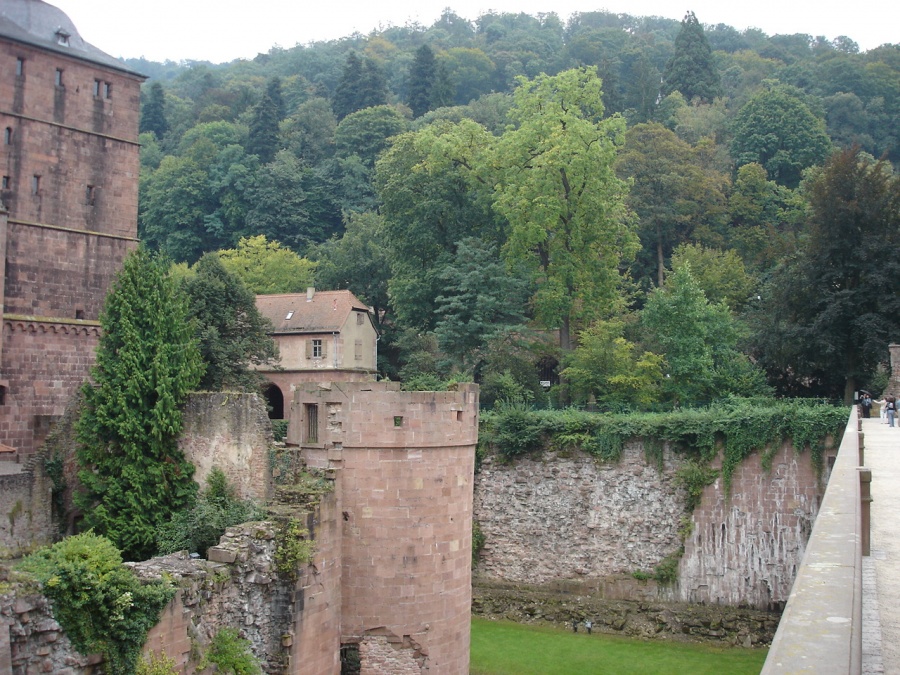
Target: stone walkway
881,571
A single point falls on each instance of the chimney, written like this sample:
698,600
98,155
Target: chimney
310,292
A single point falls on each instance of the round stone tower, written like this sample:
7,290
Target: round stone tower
404,465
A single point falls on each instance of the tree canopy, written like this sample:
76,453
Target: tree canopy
231,332
422,137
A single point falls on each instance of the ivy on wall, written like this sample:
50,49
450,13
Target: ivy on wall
736,427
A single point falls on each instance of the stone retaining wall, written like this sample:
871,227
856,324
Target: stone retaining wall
569,517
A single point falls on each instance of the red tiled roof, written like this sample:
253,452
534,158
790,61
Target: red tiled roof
326,312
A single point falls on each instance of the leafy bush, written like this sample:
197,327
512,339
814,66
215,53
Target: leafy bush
154,664
292,548
202,525
100,604
279,429
231,654
693,477
515,431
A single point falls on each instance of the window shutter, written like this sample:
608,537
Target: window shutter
309,349
358,349
324,348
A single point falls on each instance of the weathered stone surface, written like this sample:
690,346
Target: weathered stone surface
573,517
648,619
569,517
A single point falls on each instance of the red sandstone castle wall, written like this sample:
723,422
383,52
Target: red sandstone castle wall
405,465
44,363
54,273
72,165
316,643
71,139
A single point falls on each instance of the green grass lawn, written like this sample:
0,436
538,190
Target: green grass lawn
506,648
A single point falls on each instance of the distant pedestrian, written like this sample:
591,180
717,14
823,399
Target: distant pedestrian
588,625
866,405
891,407
574,626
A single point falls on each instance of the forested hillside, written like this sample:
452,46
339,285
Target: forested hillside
637,210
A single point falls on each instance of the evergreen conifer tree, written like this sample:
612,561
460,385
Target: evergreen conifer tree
373,89
153,115
422,77
346,95
263,140
691,69
443,91
133,474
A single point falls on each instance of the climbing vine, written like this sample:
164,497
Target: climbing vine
735,427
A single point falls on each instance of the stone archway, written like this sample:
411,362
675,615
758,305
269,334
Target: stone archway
275,399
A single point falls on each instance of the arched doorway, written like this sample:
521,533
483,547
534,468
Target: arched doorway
275,399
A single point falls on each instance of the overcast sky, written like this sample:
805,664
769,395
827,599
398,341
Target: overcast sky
223,30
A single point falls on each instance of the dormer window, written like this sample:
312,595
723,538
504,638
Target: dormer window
289,315
62,37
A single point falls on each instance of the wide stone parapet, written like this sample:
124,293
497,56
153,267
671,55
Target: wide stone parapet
821,626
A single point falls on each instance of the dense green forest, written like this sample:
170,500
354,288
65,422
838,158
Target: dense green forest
638,210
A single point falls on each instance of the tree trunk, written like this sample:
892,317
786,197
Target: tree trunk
660,263
565,346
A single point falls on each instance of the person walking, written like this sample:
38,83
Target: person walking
588,625
891,407
574,626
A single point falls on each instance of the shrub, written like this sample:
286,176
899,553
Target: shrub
100,604
154,664
202,525
231,654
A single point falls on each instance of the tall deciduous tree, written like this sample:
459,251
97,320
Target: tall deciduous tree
267,267
554,182
133,473
691,70
778,130
231,332
699,342
430,201
828,316
676,199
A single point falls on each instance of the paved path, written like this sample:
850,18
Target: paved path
881,572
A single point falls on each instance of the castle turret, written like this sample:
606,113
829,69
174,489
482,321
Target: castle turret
404,463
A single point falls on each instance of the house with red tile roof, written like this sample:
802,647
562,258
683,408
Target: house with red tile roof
322,336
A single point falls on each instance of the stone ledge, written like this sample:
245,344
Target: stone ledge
820,630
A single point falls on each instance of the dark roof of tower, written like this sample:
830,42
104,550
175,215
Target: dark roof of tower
39,24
